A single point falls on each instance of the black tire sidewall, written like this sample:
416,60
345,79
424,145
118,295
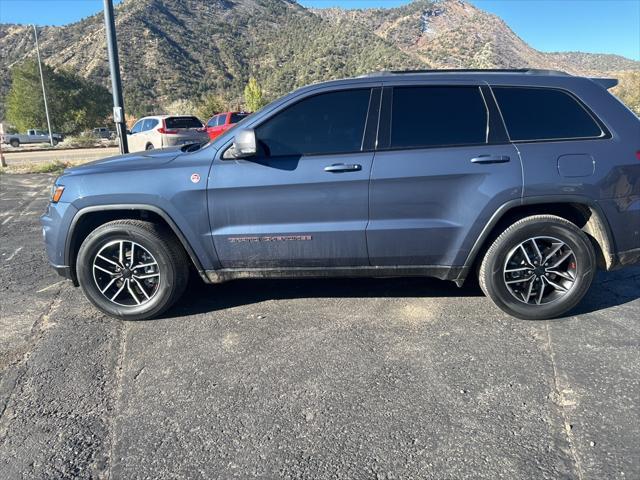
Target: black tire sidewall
585,270
168,274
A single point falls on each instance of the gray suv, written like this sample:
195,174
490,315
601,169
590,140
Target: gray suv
528,179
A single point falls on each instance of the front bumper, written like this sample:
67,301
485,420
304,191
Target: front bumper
56,222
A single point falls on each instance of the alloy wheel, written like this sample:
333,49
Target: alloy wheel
126,273
540,270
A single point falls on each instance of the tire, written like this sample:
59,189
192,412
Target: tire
55,142
14,142
144,292
149,147
506,261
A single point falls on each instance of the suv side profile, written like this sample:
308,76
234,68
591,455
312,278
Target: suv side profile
528,179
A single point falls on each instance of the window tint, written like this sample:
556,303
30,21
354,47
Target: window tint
182,122
222,118
236,117
435,116
213,122
323,124
137,127
543,114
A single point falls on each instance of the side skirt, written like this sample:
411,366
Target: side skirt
455,274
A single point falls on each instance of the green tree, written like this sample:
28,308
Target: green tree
208,106
253,99
75,104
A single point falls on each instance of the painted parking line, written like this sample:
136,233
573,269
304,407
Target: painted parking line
10,257
50,286
6,219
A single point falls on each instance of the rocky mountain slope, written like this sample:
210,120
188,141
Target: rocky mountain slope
181,49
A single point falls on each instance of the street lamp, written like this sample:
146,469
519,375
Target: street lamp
116,84
44,93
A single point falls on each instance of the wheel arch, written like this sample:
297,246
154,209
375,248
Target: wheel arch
581,211
89,218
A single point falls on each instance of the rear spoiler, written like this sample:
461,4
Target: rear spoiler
606,83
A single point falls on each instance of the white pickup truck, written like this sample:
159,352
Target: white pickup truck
32,136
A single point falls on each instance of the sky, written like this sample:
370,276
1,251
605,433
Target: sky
598,26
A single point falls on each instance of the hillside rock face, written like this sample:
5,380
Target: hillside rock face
181,49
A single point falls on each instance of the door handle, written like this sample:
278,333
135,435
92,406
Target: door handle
491,159
343,167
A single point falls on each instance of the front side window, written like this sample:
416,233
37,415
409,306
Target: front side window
437,116
544,114
324,124
213,122
137,128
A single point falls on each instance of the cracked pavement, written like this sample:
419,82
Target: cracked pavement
367,378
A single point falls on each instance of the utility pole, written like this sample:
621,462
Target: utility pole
116,84
44,93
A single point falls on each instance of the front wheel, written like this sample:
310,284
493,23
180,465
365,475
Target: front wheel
132,269
14,142
538,268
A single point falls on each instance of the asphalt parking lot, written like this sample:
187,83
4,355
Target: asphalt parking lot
395,378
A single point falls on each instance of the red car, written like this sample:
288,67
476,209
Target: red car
220,123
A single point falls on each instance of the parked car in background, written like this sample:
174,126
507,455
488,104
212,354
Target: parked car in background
527,179
32,136
103,132
220,123
162,131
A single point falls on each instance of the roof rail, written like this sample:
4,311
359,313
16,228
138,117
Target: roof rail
528,71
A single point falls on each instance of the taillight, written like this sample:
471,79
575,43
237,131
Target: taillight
164,130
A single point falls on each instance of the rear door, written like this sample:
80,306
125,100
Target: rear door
302,201
442,168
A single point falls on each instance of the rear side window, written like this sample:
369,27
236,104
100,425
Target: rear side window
183,122
149,123
437,116
323,124
544,114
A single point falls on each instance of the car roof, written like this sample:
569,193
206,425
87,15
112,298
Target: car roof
524,76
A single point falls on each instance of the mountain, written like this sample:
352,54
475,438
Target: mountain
182,49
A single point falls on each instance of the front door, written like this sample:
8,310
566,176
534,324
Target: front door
443,167
302,201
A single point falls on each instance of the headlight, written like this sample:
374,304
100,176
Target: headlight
56,193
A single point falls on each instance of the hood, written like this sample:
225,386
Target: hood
130,161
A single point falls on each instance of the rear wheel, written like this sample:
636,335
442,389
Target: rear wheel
14,142
538,268
149,146
132,269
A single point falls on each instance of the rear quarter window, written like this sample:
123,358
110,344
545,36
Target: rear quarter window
532,114
183,122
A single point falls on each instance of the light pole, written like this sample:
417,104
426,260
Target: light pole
116,84
44,93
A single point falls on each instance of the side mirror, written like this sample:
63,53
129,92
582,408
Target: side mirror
244,143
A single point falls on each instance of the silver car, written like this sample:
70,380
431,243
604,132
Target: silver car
162,131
